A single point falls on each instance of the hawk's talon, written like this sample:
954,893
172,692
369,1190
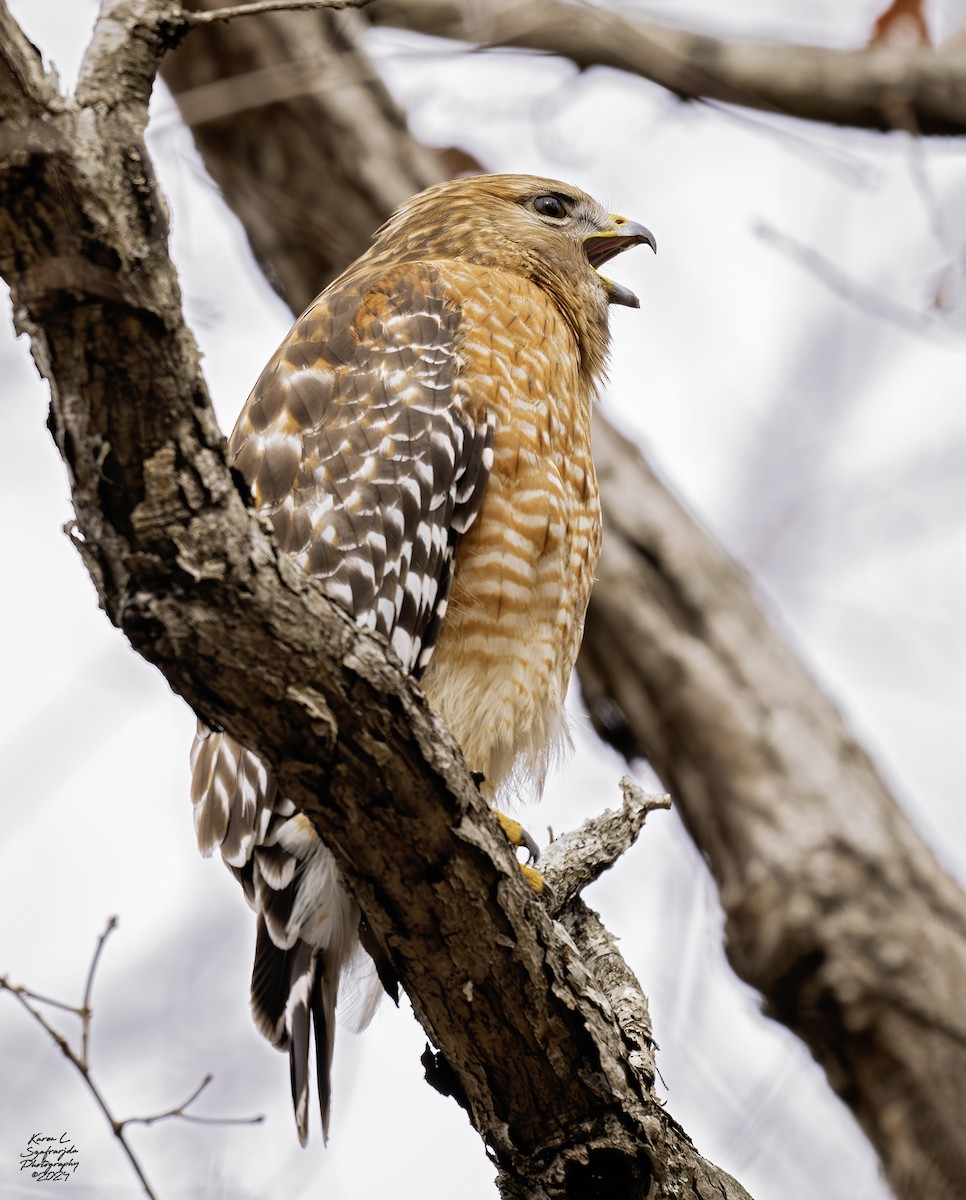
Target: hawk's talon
517,836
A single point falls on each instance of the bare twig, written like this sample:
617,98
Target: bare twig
179,1110
79,1061
29,995
24,995
85,1009
807,144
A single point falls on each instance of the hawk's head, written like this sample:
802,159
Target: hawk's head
548,231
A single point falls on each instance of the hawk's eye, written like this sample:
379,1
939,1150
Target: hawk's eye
549,206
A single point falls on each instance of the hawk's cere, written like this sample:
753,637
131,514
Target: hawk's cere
421,442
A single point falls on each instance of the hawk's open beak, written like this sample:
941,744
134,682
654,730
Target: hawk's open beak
602,247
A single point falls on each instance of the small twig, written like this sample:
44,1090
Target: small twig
85,1008
71,1008
61,1042
195,19
576,859
806,144
24,995
179,1111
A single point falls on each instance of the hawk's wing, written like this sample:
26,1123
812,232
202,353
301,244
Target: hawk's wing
358,442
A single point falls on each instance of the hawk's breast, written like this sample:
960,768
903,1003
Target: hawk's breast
524,570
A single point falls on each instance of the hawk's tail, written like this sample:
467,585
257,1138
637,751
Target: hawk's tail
294,994
308,925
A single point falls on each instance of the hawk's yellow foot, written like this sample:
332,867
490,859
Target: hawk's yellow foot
535,880
517,836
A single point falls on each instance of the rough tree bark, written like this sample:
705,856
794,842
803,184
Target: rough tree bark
551,1078
830,896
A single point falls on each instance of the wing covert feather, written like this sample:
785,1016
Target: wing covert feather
360,445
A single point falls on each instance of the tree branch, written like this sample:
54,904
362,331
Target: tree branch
194,580
576,859
571,863
884,87
257,8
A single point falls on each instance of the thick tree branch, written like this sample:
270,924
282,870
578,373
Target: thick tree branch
883,87
193,579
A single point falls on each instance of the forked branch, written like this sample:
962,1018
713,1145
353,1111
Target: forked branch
80,1060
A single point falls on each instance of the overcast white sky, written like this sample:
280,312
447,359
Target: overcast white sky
824,444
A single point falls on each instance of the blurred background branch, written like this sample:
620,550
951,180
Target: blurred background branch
884,86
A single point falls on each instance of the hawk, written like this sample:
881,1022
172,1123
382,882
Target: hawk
421,444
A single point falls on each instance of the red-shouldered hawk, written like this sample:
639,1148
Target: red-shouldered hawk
421,443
